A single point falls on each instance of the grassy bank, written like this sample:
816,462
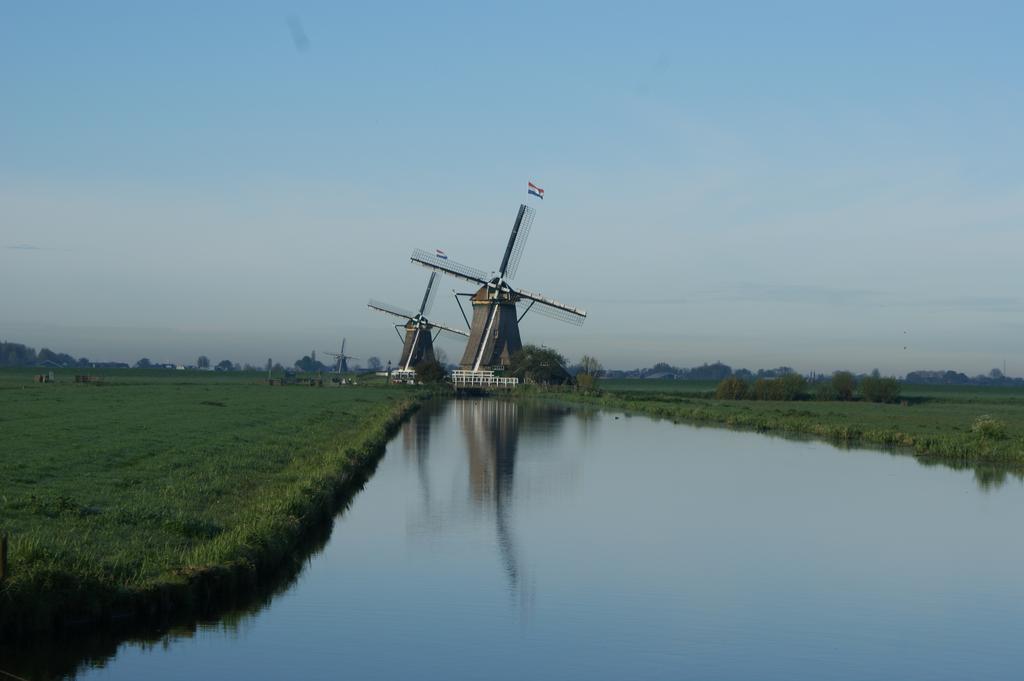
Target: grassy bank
935,423
162,491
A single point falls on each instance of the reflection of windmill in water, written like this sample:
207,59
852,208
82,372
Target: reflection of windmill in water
416,445
341,359
494,332
491,428
418,342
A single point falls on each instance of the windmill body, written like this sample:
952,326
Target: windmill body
340,359
494,332
418,340
418,347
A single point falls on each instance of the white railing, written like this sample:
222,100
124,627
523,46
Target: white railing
462,378
403,376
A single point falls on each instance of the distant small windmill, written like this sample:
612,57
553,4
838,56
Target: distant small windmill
494,332
340,359
418,341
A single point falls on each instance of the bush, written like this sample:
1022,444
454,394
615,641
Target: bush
586,382
989,428
731,388
791,387
843,385
430,372
825,392
787,388
877,389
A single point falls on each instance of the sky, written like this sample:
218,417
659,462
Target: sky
763,184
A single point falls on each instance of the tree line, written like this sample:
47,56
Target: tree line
843,386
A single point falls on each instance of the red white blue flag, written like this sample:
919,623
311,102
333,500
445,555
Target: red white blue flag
534,190
441,254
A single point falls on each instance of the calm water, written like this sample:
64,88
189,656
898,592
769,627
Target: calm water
503,541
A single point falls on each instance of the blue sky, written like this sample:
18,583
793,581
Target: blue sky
796,184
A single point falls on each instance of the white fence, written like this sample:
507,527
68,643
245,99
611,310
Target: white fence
481,379
403,376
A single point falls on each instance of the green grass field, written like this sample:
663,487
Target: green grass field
935,422
155,478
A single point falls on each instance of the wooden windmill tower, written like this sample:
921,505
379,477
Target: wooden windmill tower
494,331
341,359
418,341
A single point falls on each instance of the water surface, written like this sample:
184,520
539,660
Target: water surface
508,541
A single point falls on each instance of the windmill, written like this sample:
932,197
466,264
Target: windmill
341,359
418,342
494,332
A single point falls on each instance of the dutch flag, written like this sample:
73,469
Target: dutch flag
534,190
441,254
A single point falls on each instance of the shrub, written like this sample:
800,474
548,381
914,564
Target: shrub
989,428
787,388
843,385
791,386
731,388
430,372
877,389
761,389
825,392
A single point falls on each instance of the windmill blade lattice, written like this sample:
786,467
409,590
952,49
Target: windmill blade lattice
558,313
521,237
391,309
431,294
451,267
448,329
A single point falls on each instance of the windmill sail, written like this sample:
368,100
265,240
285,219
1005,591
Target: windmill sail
451,267
554,309
391,309
517,241
449,329
430,294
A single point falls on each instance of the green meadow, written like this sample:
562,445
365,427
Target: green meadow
122,497
935,423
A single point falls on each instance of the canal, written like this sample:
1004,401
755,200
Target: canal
502,540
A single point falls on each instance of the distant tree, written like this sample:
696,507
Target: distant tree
143,363
224,365
590,365
277,368
878,389
441,356
587,372
843,385
760,390
709,372
373,364
16,354
732,388
203,362
535,364
792,386
662,368
308,364
996,375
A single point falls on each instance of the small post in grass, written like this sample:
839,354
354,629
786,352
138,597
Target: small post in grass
3,557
